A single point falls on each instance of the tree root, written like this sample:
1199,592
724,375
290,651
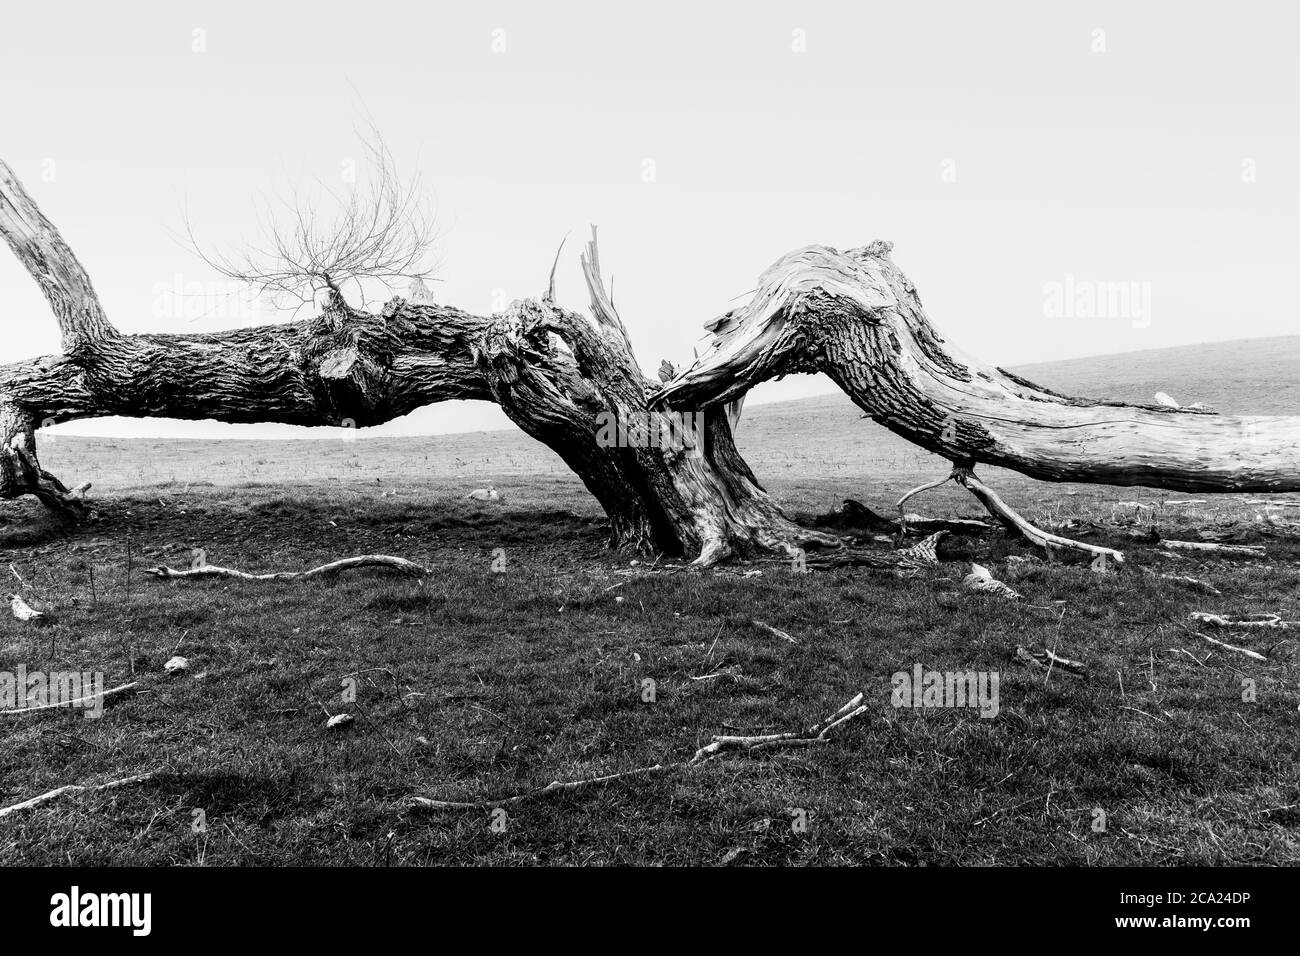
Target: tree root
400,565
21,472
816,734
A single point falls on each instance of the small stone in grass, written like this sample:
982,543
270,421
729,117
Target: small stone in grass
177,665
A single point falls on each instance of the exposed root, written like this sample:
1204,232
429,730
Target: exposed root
76,788
714,549
1044,539
400,565
816,734
21,473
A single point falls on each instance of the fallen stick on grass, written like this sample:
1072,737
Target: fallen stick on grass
346,564
1248,550
1258,620
816,734
1184,579
104,695
75,788
775,631
1048,659
1254,655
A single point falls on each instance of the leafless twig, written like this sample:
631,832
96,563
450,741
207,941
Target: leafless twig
380,229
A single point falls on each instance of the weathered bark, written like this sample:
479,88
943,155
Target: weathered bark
555,373
856,317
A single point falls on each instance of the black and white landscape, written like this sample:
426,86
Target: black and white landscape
365,505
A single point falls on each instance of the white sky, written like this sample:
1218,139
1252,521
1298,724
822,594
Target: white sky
1117,166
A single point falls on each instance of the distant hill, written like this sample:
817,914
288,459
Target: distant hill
1244,377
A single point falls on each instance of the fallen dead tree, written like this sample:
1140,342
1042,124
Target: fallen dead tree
573,383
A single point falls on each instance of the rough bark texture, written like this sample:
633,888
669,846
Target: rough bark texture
856,317
555,373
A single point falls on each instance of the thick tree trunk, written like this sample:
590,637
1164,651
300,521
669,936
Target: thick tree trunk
856,317
568,382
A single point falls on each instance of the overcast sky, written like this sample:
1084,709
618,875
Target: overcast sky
1021,156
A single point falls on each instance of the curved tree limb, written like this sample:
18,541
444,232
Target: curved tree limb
856,317
41,249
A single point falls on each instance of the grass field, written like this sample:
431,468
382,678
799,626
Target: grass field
475,685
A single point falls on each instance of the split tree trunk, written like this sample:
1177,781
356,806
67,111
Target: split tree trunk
856,317
555,373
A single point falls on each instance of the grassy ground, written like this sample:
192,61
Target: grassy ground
474,685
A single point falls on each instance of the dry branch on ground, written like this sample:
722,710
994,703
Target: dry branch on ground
814,735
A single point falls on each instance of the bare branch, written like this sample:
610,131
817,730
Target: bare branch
41,249
381,231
